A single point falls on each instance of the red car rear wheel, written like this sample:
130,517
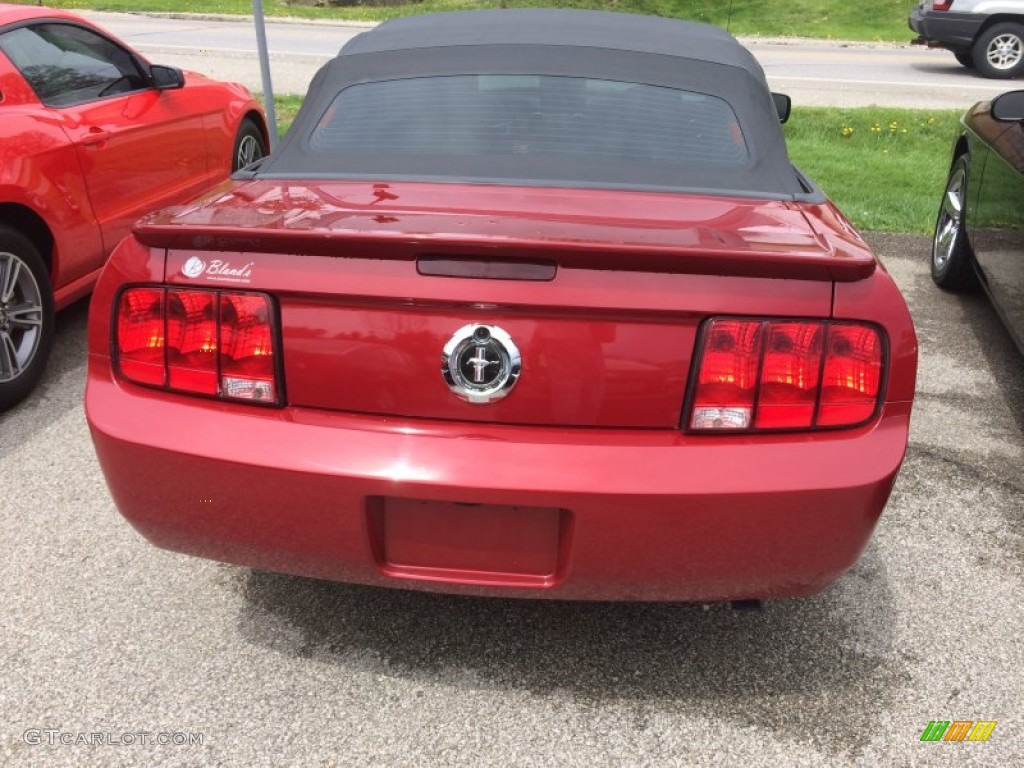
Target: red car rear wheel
26,316
250,145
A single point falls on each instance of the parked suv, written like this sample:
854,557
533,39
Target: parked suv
987,35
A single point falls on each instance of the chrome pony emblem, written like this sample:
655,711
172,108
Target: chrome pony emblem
480,363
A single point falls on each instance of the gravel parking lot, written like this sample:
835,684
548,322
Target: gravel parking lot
103,634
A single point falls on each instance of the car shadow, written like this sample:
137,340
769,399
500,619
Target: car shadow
832,651
1006,361
62,384
965,334
975,330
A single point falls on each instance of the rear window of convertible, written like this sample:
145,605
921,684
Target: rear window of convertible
554,123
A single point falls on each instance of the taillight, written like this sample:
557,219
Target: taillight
941,5
790,372
247,369
215,343
192,341
758,375
140,336
727,380
853,375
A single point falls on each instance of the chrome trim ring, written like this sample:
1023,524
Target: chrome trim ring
947,229
481,363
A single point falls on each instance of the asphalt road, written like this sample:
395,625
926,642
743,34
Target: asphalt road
814,73
101,633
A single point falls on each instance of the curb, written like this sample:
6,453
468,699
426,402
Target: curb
248,18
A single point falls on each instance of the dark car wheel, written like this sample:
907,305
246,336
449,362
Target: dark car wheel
951,253
249,145
965,58
26,317
999,50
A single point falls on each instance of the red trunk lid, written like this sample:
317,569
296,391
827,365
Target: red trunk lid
602,292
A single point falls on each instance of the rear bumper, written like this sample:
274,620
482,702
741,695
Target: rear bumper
628,514
955,31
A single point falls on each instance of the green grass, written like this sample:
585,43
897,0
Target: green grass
836,19
286,108
885,168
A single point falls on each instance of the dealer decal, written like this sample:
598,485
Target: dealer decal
217,270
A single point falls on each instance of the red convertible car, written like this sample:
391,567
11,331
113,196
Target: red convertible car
529,303
91,138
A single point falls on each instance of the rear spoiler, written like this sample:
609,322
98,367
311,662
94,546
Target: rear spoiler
717,259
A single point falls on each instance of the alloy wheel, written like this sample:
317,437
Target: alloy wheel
1005,51
21,316
947,230
249,151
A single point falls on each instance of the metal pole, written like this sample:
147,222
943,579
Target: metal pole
268,88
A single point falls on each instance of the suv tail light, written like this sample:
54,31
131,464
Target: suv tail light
941,5
760,375
215,343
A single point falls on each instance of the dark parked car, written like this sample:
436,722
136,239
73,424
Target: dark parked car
530,303
979,233
987,35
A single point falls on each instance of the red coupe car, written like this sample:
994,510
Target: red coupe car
91,138
529,303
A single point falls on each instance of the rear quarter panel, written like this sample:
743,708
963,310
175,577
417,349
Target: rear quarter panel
878,300
875,299
224,106
995,220
977,132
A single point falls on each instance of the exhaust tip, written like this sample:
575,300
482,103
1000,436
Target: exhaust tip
747,606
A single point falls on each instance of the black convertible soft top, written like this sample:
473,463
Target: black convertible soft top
405,60
559,27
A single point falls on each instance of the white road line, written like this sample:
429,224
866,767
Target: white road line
883,83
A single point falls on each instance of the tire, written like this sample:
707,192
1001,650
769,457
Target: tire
952,260
965,58
249,145
999,50
27,319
